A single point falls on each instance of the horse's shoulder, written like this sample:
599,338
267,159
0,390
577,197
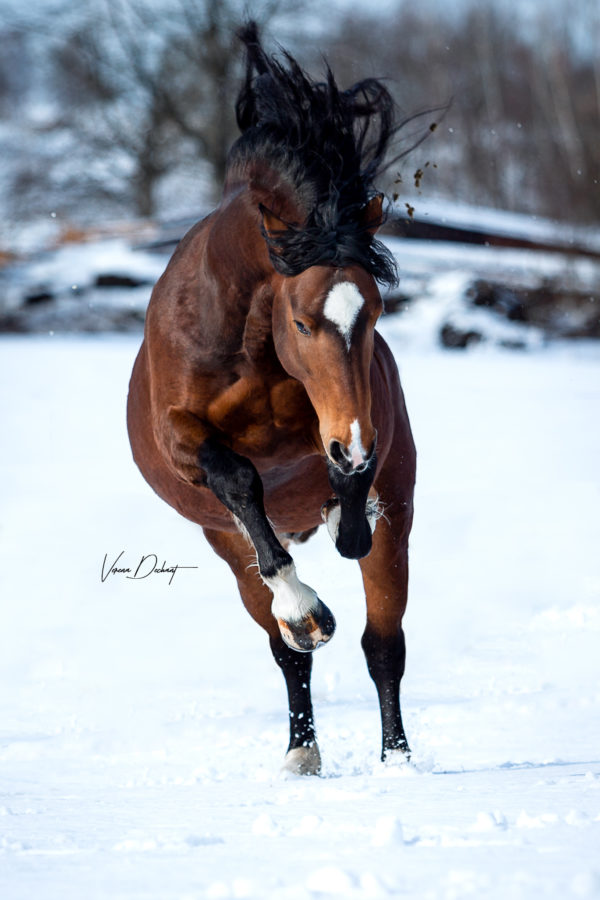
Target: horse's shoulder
389,407
384,369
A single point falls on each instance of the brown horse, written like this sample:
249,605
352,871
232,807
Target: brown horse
263,401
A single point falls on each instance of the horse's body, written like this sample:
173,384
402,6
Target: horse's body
262,399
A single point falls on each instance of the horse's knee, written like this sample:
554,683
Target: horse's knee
231,477
245,485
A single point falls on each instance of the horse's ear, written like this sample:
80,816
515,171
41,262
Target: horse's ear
372,214
271,223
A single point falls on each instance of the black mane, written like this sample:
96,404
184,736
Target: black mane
329,146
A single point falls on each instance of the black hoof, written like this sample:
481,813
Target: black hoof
352,540
355,542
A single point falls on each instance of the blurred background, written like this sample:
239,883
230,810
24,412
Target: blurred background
116,117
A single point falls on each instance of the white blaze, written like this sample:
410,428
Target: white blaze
342,306
356,450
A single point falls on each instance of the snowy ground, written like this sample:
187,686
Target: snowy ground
143,724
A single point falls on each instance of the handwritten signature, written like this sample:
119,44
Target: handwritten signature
148,565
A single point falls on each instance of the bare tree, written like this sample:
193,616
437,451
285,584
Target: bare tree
145,89
524,128
138,97
14,63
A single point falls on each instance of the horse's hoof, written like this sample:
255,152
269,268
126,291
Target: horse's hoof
304,620
396,756
302,761
309,633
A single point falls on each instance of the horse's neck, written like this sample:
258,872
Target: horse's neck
236,251
264,184
241,274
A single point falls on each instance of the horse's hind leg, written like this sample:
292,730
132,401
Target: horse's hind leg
385,577
304,620
303,752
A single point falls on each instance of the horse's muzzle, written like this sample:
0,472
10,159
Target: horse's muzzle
347,461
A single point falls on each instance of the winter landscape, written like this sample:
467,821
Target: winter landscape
143,721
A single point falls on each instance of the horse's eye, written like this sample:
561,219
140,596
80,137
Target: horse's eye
301,327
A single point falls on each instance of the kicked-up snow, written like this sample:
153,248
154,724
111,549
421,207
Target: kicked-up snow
144,722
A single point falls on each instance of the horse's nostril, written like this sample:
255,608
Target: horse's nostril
336,452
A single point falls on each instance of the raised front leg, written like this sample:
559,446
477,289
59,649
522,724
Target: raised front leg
304,620
234,480
302,756
346,515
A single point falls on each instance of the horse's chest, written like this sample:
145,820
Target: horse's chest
261,417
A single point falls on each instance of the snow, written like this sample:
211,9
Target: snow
439,285
418,258
144,723
74,268
444,301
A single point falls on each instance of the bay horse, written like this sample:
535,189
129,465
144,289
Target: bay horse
263,402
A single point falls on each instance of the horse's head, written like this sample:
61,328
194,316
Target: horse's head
323,327
311,154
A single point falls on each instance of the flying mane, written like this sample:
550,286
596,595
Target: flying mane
327,147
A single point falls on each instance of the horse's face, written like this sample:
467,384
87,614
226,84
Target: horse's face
323,327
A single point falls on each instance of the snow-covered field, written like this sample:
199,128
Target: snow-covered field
143,723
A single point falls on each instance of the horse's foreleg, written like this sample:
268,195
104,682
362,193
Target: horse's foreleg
303,752
385,577
346,515
303,757
304,620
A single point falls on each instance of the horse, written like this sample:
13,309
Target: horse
263,402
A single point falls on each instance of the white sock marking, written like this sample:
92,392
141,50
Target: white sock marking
292,600
342,306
